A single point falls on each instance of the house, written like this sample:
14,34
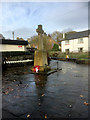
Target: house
76,42
7,45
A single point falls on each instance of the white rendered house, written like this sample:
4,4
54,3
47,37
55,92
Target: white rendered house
76,42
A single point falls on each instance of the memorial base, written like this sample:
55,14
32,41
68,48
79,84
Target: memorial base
40,58
42,69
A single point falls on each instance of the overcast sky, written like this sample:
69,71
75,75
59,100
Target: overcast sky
24,17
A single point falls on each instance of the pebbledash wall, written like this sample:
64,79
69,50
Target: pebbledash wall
13,45
76,42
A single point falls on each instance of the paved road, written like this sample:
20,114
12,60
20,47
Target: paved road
63,94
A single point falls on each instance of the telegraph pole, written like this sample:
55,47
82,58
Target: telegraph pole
13,35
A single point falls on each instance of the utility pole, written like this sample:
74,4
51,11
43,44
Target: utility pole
13,35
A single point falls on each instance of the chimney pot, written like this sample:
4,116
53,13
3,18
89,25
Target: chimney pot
63,35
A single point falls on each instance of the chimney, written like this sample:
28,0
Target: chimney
63,35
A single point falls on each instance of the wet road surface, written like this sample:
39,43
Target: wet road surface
63,94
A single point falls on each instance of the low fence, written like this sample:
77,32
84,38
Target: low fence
64,59
17,58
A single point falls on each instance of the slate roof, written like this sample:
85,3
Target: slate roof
13,42
77,35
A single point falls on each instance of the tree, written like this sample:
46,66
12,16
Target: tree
47,42
55,47
57,36
33,41
20,39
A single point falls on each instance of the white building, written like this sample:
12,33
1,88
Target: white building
76,42
12,45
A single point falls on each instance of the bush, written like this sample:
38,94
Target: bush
71,55
55,54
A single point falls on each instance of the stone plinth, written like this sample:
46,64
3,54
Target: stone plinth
40,58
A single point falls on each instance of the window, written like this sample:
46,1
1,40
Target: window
66,41
80,49
80,40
